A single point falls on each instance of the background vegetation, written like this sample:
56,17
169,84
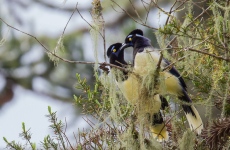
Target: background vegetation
199,35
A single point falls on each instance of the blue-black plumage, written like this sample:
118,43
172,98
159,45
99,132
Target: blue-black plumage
130,88
174,83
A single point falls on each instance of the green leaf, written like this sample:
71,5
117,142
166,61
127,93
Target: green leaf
4,138
23,127
49,110
33,146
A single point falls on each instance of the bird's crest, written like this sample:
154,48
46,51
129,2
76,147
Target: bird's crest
136,32
132,35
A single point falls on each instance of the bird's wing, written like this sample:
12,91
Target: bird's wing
174,72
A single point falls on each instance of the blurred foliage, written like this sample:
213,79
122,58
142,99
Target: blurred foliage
200,50
91,97
25,63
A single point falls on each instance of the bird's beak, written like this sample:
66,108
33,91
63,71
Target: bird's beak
125,45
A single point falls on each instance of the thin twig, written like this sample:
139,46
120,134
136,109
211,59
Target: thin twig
177,8
204,11
159,61
133,17
26,34
147,15
88,22
66,136
69,19
171,65
171,41
54,54
170,11
52,6
136,11
84,18
86,120
161,9
213,55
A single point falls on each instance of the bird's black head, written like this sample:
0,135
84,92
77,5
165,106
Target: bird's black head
113,50
136,40
131,37
116,54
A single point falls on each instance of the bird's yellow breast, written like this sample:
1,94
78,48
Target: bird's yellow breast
145,61
129,88
132,91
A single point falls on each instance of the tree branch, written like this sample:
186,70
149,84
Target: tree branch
213,55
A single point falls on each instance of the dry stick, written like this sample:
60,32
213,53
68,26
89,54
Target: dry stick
161,9
51,6
66,136
88,122
133,17
183,2
190,24
63,59
26,34
102,34
199,51
174,38
171,41
199,42
195,3
148,12
199,16
170,11
65,29
88,22
69,19
202,52
136,11
171,65
75,137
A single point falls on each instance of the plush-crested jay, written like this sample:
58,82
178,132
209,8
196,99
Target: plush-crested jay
130,86
145,57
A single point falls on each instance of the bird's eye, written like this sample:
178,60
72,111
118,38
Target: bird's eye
130,39
114,50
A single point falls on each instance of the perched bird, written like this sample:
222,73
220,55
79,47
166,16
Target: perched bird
145,57
130,87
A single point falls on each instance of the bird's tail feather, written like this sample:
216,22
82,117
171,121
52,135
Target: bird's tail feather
192,114
194,122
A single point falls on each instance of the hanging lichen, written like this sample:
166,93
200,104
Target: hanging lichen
97,27
188,140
